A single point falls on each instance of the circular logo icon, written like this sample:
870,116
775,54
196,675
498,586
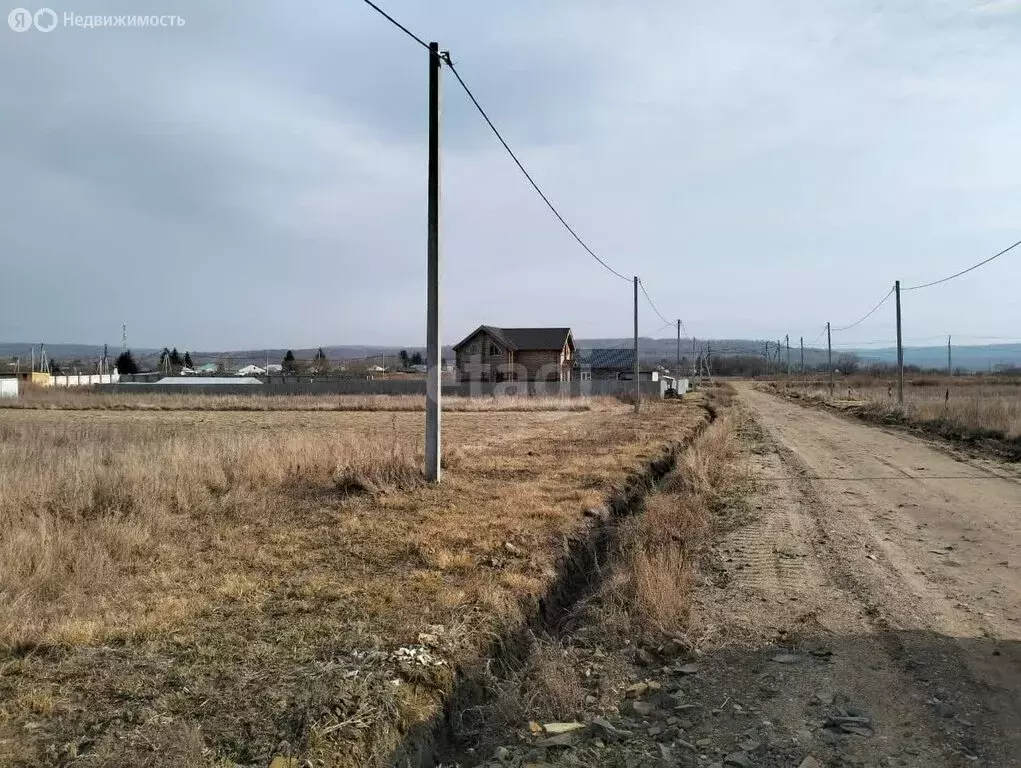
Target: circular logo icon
20,20
45,20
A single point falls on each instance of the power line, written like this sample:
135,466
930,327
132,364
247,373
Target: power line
641,284
397,24
965,271
669,324
867,316
527,175
821,334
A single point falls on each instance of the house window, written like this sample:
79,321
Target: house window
586,374
494,350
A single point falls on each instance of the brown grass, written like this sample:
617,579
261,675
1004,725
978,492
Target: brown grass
225,583
80,500
83,400
975,404
650,589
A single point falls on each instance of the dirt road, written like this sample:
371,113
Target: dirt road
887,573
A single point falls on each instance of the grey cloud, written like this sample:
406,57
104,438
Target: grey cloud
257,177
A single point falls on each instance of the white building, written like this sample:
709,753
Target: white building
252,370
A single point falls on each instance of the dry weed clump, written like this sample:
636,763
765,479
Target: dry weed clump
650,589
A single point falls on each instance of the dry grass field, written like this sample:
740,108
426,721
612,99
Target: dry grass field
83,400
212,588
963,403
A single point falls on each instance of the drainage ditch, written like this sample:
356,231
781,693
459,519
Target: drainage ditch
579,576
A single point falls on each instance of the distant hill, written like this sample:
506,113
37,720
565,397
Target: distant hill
971,358
975,358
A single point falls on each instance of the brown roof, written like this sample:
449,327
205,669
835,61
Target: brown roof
525,339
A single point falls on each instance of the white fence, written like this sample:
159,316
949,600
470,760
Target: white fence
84,380
8,388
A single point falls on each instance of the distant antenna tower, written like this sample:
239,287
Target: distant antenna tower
44,364
104,363
124,338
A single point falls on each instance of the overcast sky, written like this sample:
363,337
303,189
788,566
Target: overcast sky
257,177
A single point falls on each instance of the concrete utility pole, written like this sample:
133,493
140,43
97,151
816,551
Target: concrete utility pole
788,340
692,361
765,356
900,350
677,370
829,356
638,381
950,369
802,355
433,390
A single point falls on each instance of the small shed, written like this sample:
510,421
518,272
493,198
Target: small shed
8,387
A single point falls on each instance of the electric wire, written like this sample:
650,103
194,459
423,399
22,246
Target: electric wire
964,271
526,174
397,24
648,298
871,312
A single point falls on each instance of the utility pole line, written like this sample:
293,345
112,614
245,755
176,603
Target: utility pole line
950,369
900,350
829,356
638,382
433,389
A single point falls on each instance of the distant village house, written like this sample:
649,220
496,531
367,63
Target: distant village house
515,354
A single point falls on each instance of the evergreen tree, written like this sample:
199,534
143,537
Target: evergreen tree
289,364
416,359
404,358
175,358
187,360
126,363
